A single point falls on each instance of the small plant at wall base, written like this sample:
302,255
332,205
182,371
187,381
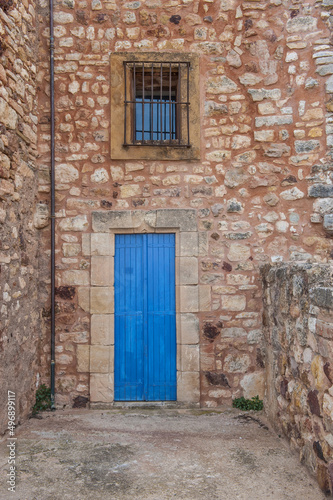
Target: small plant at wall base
43,399
248,404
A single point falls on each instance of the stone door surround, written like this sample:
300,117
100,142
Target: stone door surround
189,295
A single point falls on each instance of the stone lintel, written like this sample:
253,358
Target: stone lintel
184,219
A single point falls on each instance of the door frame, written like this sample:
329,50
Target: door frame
150,258
98,358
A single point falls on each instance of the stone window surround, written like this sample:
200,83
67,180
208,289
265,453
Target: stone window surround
98,357
120,152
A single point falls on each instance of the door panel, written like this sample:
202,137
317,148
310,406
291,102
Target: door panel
161,338
145,324
129,372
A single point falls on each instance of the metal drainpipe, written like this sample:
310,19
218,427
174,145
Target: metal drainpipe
52,119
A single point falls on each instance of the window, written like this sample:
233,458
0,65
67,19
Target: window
155,106
155,103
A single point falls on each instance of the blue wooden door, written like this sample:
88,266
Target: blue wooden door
145,320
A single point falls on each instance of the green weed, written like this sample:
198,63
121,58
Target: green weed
248,404
43,399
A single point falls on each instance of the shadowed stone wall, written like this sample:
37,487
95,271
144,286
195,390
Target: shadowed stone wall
20,310
298,333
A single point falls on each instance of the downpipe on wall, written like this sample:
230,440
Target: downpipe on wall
52,216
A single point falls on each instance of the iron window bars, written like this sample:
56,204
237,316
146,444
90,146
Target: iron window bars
157,103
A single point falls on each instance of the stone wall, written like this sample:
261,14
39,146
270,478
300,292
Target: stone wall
19,313
260,190
298,333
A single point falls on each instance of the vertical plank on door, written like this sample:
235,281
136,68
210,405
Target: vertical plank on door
128,296
161,340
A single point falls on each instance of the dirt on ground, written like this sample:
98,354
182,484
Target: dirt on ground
153,454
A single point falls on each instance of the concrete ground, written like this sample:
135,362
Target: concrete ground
154,454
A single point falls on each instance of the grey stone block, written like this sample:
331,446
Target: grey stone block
310,83
217,208
212,108
203,243
273,120
323,206
104,221
102,244
190,358
261,94
277,150
301,24
321,191
328,224
188,271
233,332
85,244
189,325
189,298
102,329
101,300
84,298
306,146
184,219
220,85
102,270
150,218
324,60
101,387
189,244
322,297
138,218
329,85
326,69
188,387
205,299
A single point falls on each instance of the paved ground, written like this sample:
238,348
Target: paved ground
154,454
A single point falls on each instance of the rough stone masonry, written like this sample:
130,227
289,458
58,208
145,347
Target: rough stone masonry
261,190
20,308
298,332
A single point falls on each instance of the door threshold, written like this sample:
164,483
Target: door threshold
145,405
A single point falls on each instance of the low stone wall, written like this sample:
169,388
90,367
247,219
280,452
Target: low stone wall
298,333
